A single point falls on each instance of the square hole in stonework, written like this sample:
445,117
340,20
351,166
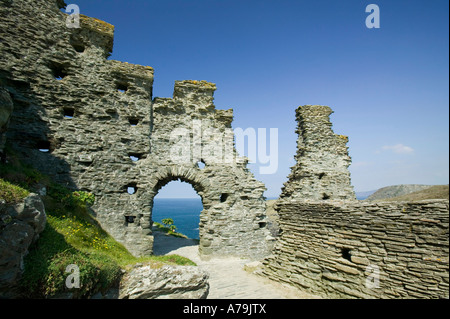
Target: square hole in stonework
130,219
135,157
346,254
59,71
43,146
78,46
68,113
201,164
133,121
122,87
223,197
131,188
77,43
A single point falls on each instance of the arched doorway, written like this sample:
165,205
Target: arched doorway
232,221
179,201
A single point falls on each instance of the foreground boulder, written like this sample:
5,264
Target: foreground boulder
20,226
167,282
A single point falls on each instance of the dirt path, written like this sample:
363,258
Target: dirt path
228,279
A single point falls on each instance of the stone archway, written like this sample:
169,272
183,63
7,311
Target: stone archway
231,222
184,176
119,145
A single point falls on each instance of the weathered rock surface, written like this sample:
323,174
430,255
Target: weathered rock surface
273,219
20,226
322,160
167,282
92,124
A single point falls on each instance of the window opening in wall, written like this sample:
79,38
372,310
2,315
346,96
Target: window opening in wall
43,146
79,47
325,196
223,197
130,219
135,156
122,87
59,72
346,254
262,224
68,113
133,121
321,175
131,188
201,164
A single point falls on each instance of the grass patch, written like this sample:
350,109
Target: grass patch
168,231
71,237
11,193
433,192
20,174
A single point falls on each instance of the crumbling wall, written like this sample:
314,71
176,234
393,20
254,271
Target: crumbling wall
363,250
322,160
91,124
193,141
334,246
75,111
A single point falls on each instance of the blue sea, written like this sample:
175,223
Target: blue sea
185,213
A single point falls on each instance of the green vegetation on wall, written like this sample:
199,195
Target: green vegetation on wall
71,237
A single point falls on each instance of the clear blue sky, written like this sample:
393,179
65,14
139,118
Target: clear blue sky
387,86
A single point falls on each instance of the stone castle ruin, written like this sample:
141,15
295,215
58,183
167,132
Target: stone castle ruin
321,172
92,124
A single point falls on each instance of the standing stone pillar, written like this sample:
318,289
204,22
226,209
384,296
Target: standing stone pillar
322,160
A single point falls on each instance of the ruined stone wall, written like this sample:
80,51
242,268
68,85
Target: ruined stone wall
233,220
70,100
88,122
334,248
322,160
337,247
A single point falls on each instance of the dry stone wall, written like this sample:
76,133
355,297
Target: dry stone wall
337,247
91,124
363,250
